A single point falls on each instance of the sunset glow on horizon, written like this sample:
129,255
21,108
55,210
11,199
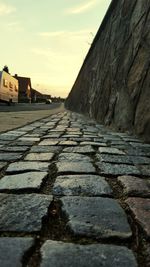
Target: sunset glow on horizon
48,41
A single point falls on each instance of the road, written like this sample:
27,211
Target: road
73,193
18,115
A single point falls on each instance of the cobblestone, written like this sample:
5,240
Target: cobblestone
39,156
22,166
14,148
51,135
45,149
48,142
73,157
2,165
134,186
93,143
117,169
87,185
96,217
80,149
140,208
10,156
28,180
124,159
145,170
29,139
23,213
12,250
75,167
7,137
22,143
56,254
110,150
69,179
68,143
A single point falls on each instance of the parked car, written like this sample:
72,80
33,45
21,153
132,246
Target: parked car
48,101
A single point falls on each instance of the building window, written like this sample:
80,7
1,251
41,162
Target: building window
10,85
5,83
16,88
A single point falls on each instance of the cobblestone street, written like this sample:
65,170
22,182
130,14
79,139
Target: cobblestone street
73,193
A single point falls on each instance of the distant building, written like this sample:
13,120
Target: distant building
36,96
24,89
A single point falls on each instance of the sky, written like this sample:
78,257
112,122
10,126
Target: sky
48,40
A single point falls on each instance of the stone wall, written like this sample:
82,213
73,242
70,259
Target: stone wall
113,85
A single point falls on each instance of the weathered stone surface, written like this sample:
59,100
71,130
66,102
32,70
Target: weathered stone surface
68,143
2,142
74,133
80,149
113,83
96,217
7,137
140,208
80,139
52,135
48,142
90,136
135,152
45,149
110,150
75,167
117,169
15,133
22,143
39,156
55,131
140,160
145,170
33,135
73,157
32,139
114,158
12,250
27,128
88,185
28,180
10,156
23,213
22,166
14,148
73,130
91,129
70,135
140,145
134,186
92,144
131,139
2,165
54,253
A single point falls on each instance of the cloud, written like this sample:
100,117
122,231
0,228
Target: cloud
81,8
6,9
